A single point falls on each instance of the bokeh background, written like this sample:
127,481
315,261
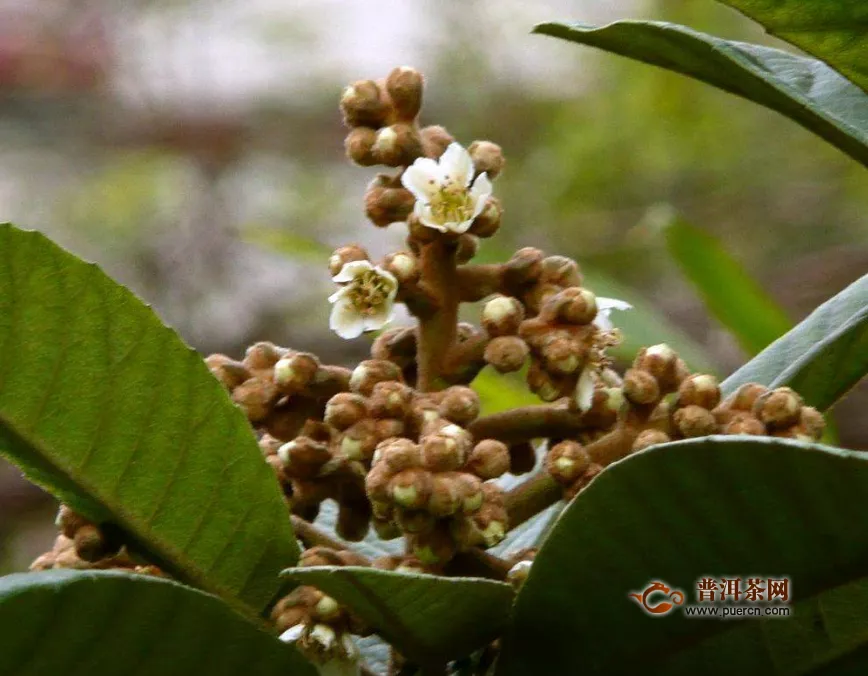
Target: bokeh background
194,150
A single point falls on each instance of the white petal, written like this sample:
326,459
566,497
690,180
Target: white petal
292,634
585,389
423,213
389,277
480,192
352,270
602,321
422,178
345,321
340,293
457,164
377,321
612,304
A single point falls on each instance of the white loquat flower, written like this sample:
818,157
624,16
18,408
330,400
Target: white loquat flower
447,196
590,373
365,302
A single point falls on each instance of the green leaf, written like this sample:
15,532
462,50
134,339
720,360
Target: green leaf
429,619
64,622
729,292
712,507
804,89
835,31
822,357
105,407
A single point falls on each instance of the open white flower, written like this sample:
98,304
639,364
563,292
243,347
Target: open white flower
446,200
365,302
590,373
331,654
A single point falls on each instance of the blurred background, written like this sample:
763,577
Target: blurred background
194,150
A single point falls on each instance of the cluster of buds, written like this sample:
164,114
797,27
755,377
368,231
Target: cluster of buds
317,624
82,544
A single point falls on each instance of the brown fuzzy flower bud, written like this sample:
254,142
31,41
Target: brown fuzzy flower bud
90,543
397,146
229,372
386,203
778,408
488,222
694,421
359,441
467,248
390,399
411,488
326,610
373,371
262,356
294,372
459,405
364,103
492,522
256,397
447,494
345,409
502,315
404,85
415,521
522,458
472,495
489,459
660,361
812,421
524,267
344,255
435,140
69,521
303,457
745,396
359,144
399,454
547,386
435,548
377,485
574,305
563,355
487,157
745,423
386,428
445,450
640,387
567,461
396,345
506,353
648,438
699,390
560,271
403,265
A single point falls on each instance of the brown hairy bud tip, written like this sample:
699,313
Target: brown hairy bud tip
411,488
640,387
487,157
344,255
489,459
446,496
699,390
502,315
364,103
443,452
435,548
403,265
560,271
563,355
262,356
779,408
387,205
69,521
90,543
459,404
398,454
229,372
745,423
377,484
397,146
813,422
390,399
373,371
660,361
295,372
345,409
567,461
506,354
746,395
359,441
256,397
435,141
488,222
467,247
359,146
524,267
648,438
303,457
404,85
694,421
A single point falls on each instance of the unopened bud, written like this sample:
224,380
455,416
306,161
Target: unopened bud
390,399
574,305
344,255
403,266
385,428
327,609
548,386
256,398
443,453
405,86
435,141
359,441
567,461
377,485
363,104
397,146
640,387
694,421
398,454
90,544
467,248
488,222
699,390
563,355
345,409
779,408
303,457
263,355
660,361
446,496
560,271
487,157
812,420
489,459
524,267
386,204
459,405
373,371
359,145
411,488
648,438
746,395
745,423
69,521
501,316
229,372
295,372
506,354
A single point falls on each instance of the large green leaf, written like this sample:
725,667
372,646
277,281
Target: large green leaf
821,358
67,623
835,31
804,89
713,507
729,292
429,619
106,407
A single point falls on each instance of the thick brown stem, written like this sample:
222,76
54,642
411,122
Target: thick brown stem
530,498
437,332
475,282
528,422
